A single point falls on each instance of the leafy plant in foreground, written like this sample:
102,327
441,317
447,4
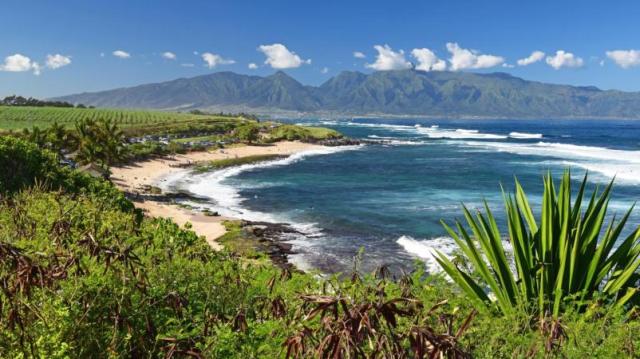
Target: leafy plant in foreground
362,319
566,256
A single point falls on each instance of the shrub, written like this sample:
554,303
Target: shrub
25,165
248,132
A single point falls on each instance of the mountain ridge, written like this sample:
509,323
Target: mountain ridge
388,93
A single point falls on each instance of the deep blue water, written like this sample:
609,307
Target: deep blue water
389,199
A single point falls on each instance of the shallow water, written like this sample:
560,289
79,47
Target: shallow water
389,199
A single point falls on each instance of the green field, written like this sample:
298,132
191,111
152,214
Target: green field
16,118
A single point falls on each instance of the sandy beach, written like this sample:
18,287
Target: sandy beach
134,177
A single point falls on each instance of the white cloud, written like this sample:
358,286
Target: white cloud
359,55
564,59
102,54
324,70
387,59
16,63
57,61
508,66
19,63
427,60
470,59
533,58
187,65
121,54
279,57
213,60
169,55
625,58
252,66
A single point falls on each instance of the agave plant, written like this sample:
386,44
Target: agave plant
567,255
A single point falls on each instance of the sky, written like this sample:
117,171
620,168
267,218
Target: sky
51,48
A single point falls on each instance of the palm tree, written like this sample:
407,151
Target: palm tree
36,135
112,139
99,142
58,137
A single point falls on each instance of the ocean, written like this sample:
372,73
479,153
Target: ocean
388,199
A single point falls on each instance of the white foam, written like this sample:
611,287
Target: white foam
426,249
383,137
624,164
225,198
433,131
458,134
524,135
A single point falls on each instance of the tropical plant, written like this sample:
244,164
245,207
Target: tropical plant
567,256
36,135
59,138
99,142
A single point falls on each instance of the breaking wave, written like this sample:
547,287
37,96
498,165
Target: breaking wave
524,135
426,249
226,199
623,164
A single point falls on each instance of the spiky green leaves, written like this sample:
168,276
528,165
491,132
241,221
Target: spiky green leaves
563,256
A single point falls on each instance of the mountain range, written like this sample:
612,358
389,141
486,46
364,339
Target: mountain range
397,93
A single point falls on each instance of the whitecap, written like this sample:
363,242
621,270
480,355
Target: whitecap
458,134
623,164
524,135
426,249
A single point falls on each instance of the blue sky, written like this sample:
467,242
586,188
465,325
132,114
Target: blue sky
50,48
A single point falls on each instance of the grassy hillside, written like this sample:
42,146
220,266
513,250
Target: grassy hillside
18,117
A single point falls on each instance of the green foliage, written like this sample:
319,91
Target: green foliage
565,258
26,165
23,163
302,133
248,132
99,142
83,275
132,121
146,149
23,101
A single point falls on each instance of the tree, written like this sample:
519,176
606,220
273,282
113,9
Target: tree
99,142
248,133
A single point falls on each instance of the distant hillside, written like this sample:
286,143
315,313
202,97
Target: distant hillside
406,92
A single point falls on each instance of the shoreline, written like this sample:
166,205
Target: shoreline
137,178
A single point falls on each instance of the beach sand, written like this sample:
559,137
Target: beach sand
134,177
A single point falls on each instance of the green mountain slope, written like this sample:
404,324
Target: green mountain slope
406,92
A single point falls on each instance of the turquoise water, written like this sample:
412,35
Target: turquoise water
389,199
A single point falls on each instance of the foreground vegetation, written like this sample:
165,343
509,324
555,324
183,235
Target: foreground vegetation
564,259
84,274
